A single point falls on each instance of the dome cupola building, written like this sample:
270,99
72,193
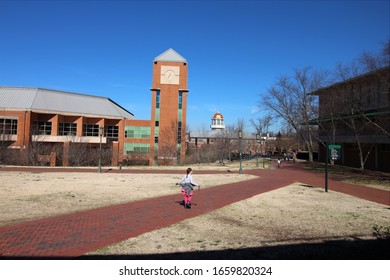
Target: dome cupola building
217,121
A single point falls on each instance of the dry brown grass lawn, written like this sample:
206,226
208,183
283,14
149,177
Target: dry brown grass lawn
28,196
291,215
295,214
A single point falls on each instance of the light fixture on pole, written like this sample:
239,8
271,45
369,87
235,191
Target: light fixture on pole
265,147
100,148
240,151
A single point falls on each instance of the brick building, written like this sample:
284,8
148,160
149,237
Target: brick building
357,111
53,118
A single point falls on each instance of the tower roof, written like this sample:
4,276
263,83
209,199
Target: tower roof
171,56
217,115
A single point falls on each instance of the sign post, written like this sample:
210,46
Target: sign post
335,154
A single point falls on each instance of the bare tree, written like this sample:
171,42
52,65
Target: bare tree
290,99
356,102
354,113
5,152
36,147
168,143
371,61
228,141
240,125
82,154
376,62
262,124
287,139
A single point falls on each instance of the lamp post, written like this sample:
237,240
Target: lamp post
257,149
239,139
100,148
265,148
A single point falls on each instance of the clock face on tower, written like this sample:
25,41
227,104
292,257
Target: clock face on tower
170,75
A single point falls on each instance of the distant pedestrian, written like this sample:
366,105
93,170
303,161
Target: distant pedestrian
279,162
187,186
294,156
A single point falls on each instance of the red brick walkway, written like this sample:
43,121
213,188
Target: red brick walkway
73,235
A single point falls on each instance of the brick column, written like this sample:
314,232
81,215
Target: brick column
53,157
80,122
115,153
55,125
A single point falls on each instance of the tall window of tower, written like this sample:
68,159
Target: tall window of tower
180,118
157,99
179,130
180,100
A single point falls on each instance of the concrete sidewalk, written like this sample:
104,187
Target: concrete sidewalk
72,235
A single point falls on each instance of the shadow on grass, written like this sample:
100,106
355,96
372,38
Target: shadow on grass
376,249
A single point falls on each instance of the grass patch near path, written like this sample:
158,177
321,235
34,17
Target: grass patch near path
372,179
265,226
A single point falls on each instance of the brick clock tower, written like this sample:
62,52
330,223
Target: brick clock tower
169,107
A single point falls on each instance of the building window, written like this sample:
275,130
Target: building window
67,129
41,128
180,100
91,130
137,132
384,147
180,115
137,149
111,131
179,132
157,122
9,126
157,99
180,118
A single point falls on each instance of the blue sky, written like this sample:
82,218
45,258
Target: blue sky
235,49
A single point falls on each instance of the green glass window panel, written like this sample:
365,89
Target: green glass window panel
157,114
137,132
180,115
137,148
